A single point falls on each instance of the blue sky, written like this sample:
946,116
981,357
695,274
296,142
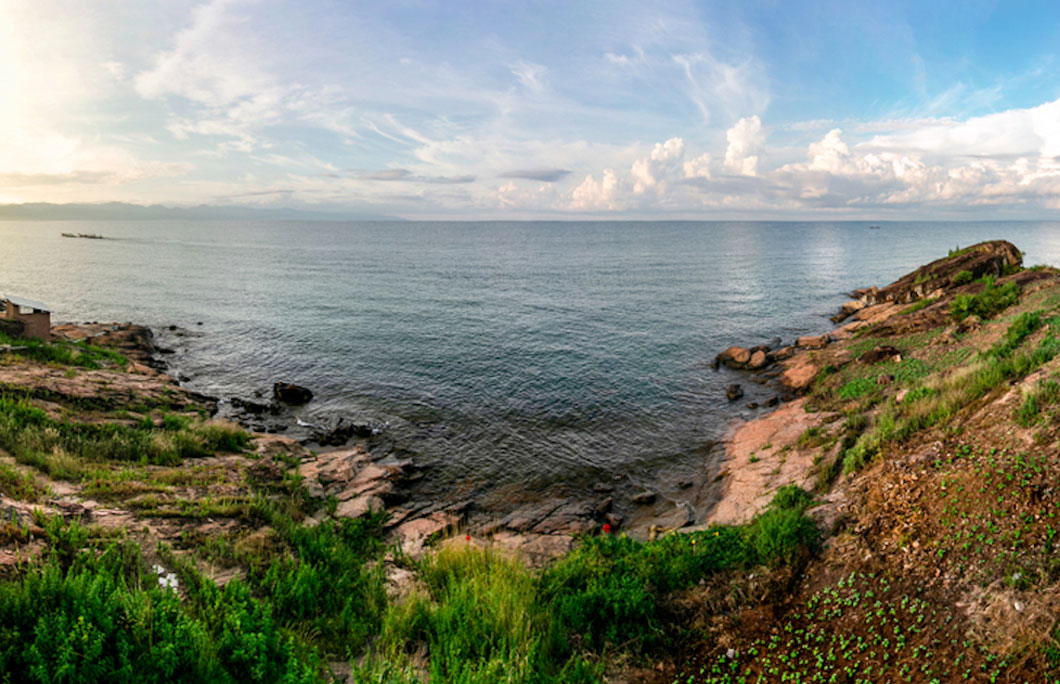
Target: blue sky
773,109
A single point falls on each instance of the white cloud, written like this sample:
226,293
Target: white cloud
531,76
744,139
593,194
698,167
652,171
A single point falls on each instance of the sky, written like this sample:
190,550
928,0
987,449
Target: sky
777,109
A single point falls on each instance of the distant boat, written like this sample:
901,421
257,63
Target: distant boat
874,227
89,236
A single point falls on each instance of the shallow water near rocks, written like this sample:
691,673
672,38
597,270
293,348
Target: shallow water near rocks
507,356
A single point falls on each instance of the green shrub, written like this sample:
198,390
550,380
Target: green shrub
87,617
962,278
989,301
858,387
323,583
608,590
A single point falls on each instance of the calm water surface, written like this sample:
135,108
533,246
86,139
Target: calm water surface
499,353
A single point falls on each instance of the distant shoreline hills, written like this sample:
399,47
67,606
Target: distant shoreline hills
122,211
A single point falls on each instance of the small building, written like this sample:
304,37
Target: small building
36,318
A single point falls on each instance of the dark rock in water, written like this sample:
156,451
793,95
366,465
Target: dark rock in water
684,484
341,432
198,323
734,392
644,498
164,350
256,408
290,393
773,401
883,352
753,405
172,327
603,487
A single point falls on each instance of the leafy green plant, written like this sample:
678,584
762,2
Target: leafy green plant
987,302
101,617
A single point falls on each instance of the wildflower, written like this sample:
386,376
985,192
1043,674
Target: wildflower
607,528
467,537
693,542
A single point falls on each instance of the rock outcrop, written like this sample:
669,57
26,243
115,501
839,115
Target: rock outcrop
289,393
996,258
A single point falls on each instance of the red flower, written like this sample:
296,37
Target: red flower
607,528
467,537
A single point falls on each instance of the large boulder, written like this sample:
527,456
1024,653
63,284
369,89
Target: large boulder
759,360
733,357
290,393
812,341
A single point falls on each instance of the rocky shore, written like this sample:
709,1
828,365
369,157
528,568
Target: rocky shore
910,452
759,456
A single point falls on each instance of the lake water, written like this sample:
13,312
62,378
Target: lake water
499,353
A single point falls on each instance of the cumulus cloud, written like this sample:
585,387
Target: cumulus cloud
699,167
653,170
744,140
593,194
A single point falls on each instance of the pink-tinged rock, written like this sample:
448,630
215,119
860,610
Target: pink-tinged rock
782,353
360,506
800,374
734,357
758,360
413,536
812,341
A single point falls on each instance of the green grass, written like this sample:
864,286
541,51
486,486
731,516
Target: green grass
60,448
65,353
962,278
940,401
919,304
20,485
1046,393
